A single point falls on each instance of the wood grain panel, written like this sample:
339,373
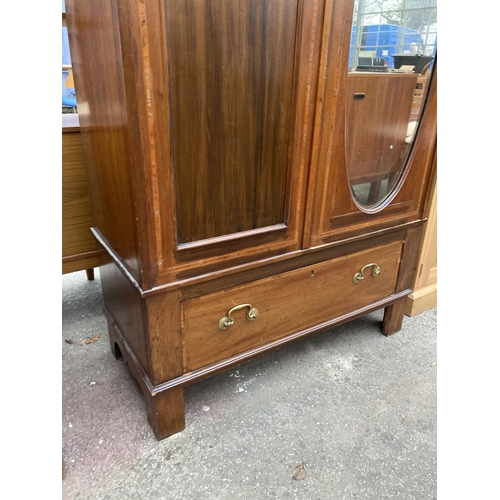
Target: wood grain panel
287,303
123,304
164,336
231,67
76,213
424,294
79,248
98,71
376,125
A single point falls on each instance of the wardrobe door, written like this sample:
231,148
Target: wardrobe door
376,121
233,136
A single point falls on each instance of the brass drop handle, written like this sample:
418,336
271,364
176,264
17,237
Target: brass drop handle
228,320
359,275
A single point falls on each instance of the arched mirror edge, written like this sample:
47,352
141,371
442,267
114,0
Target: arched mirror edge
375,203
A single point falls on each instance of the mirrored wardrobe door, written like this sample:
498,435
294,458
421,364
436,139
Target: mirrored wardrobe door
392,51
376,132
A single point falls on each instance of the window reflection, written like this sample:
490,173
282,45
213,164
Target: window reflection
392,52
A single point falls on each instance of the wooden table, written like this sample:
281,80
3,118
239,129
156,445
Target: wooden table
80,251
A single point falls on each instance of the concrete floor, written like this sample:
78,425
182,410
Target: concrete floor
356,407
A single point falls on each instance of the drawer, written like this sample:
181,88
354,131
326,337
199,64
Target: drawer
287,303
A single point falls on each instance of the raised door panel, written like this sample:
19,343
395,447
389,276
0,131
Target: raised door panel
231,112
231,82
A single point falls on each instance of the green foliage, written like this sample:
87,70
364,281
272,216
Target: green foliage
418,13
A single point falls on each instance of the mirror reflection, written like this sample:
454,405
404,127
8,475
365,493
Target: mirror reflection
392,54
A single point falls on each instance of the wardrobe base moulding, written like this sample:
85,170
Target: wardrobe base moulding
174,338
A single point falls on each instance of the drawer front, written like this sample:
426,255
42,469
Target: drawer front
286,303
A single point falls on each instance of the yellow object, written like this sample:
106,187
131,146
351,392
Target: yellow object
70,81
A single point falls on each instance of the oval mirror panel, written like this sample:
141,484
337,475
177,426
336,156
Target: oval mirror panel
391,59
